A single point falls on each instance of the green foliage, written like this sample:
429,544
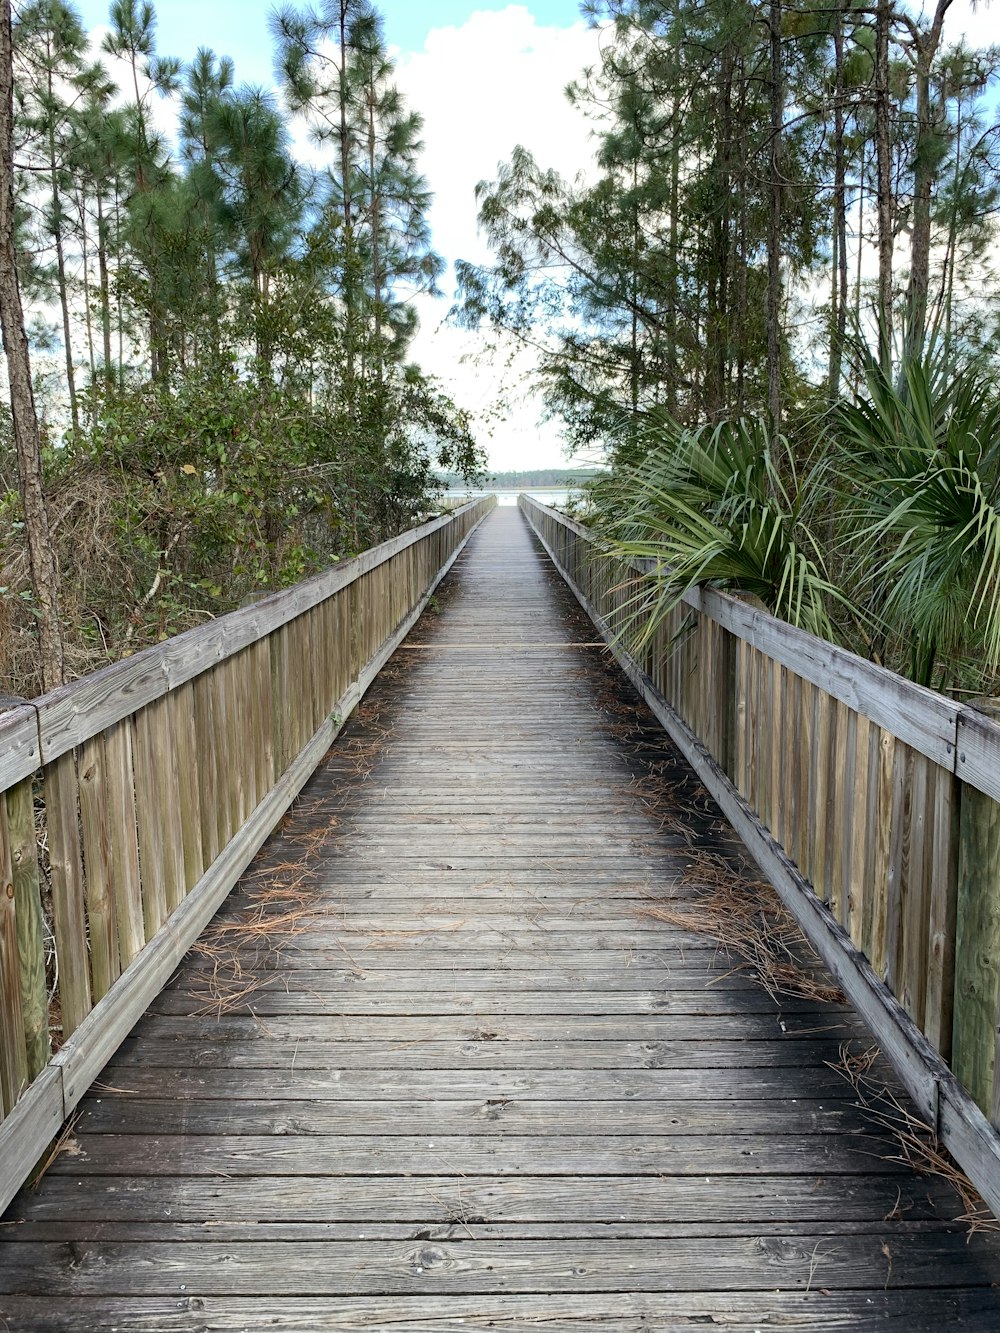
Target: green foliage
723,505
919,466
249,414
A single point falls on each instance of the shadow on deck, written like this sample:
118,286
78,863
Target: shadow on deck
434,1066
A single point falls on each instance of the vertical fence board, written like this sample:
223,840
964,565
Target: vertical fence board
916,911
23,845
977,945
96,827
146,766
167,813
189,794
13,1055
898,893
206,762
883,749
69,917
122,822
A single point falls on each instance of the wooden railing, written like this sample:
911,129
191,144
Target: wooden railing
132,800
870,803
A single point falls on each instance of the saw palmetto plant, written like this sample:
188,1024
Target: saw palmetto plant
723,505
919,470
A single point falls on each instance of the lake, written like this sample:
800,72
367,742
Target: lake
546,495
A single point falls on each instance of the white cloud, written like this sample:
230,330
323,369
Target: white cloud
482,88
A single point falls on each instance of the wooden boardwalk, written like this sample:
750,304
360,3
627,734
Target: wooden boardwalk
433,1068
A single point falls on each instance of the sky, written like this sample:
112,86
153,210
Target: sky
486,75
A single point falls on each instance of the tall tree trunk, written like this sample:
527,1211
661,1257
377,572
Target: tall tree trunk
883,158
742,259
948,275
44,571
102,269
925,47
376,223
673,264
350,277
81,204
774,221
60,253
839,285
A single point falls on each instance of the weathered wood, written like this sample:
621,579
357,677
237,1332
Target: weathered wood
977,947
146,771
20,834
13,1053
29,1129
939,1004
330,1155
124,840
190,794
19,750
69,916
467,1265
915,1060
475,964
95,824
979,752
72,714
896,1311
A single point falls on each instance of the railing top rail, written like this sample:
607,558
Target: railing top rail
953,735
58,721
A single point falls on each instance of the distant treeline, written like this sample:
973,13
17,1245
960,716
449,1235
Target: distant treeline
551,476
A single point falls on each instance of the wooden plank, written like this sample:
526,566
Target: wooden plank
585,1119
13,1051
820,799
69,916
29,1129
667,1201
626,1312
899,816
21,838
938,1018
915,924
861,794
19,752
331,1155
146,769
881,833
96,828
189,790
913,1057
451,1268
124,843
979,752
208,762
977,947
493,1088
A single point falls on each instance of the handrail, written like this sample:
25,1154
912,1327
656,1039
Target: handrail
157,779
870,802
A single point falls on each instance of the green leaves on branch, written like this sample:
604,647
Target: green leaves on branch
920,475
889,542
717,505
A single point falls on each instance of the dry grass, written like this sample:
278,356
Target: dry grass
918,1147
279,899
747,920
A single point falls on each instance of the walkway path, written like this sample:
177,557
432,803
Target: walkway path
433,1067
